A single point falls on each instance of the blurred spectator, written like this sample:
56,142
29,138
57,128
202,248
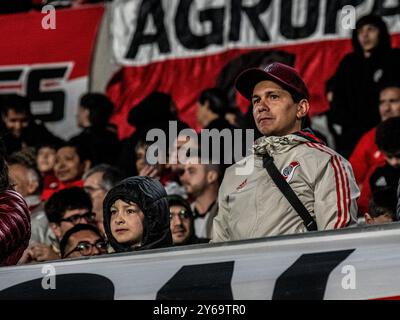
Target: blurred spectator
97,182
355,101
387,175
382,207
64,209
82,240
27,182
18,127
366,154
212,107
15,227
182,222
201,182
98,136
136,215
153,112
45,161
72,161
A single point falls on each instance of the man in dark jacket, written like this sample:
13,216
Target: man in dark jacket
356,91
182,222
18,128
136,215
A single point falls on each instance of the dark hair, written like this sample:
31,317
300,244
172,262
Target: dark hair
83,153
384,200
217,99
73,230
389,84
384,43
66,199
387,136
111,175
100,108
177,200
15,102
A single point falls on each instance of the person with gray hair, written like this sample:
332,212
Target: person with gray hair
27,181
97,182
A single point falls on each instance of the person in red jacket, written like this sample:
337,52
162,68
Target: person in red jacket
366,154
15,224
72,161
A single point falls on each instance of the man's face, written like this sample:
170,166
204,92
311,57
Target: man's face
368,36
180,224
127,222
393,159
19,178
68,166
389,103
70,219
194,179
85,243
92,185
16,122
274,110
46,158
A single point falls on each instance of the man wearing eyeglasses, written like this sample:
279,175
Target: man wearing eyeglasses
82,240
181,222
64,210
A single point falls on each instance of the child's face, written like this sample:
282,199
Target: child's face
46,159
127,222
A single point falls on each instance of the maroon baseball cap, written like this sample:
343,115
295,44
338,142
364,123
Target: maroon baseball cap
282,74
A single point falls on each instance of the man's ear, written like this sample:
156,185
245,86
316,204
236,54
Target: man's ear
32,187
212,176
86,165
302,108
55,227
368,218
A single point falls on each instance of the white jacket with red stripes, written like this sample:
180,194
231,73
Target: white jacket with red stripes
252,206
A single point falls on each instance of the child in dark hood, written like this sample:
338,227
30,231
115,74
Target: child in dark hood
136,215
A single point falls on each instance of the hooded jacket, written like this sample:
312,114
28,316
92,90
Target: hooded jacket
15,227
252,206
355,104
150,196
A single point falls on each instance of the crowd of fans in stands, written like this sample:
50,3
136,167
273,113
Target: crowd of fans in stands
94,194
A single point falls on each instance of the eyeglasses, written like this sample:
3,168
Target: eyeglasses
90,189
77,218
86,248
183,214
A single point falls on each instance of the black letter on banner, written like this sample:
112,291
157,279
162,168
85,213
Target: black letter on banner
185,35
56,97
332,12
379,9
10,75
307,278
200,282
253,13
291,32
75,286
149,8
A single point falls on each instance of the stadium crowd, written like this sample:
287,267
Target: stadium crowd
95,195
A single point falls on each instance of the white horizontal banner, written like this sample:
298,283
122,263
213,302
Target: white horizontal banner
145,31
346,264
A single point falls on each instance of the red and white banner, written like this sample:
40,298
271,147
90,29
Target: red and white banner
184,46
47,56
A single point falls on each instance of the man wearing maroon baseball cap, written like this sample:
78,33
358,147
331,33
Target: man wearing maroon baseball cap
252,204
